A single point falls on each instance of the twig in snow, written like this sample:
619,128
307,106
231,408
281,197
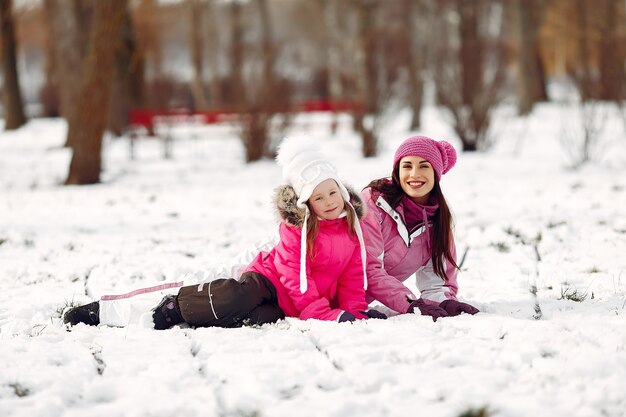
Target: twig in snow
19,390
536,247
87,280
568,293
538,313
96,352
619,281
534,243
323,351
463,257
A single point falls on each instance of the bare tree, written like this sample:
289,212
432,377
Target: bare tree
332,45
128,87
581,135
262,100
597,68
470,68
597,73
531,86
414,64
69,31
94,95
582,72
236,55
612,50
381,68
12,97
196,18
214,52
268,51
49,92
364,119
336,42
159,90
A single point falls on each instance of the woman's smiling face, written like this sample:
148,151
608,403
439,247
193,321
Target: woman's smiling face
417,178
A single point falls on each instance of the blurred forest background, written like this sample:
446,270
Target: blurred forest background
117,65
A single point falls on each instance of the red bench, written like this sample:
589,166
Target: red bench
148,118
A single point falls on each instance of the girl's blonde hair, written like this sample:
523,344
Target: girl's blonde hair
312,227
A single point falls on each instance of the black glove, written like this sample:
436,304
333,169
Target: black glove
427,309
374,314
346,316
454,307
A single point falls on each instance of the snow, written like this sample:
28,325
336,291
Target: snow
203,211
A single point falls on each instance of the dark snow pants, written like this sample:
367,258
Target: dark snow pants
230,303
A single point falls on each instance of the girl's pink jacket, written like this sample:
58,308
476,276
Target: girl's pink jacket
394,255
334,275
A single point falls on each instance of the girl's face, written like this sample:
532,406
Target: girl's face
417,178
326,201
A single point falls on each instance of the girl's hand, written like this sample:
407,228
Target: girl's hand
374,314
454,307
346,316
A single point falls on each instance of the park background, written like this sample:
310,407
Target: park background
137,148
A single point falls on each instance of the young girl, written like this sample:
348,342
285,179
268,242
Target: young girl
409,230
317,270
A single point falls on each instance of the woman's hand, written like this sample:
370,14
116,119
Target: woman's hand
426,309
454,307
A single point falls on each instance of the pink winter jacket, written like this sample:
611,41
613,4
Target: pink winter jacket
394,255
334,275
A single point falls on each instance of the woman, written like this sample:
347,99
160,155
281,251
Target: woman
408,230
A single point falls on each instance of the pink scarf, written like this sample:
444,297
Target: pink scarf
417,214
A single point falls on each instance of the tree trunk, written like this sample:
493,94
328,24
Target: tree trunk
332,45
195,39
236,57
147,14
525,35
469,101
530,81
584,75
12,97
470,50
414,65
49,93
365,84
268,55
69,51
94,95
266,103
128,86
368,138
216,96
611,53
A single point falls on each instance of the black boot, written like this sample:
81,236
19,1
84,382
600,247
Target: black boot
167,313
88,314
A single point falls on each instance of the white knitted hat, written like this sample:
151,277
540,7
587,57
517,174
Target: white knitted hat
304,168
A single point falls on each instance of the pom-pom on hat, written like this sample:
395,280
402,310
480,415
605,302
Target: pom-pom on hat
304,168
440,154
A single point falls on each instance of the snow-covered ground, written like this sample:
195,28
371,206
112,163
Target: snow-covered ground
523,216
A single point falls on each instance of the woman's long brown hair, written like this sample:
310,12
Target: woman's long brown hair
441,231
312,227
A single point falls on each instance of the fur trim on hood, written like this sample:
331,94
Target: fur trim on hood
286,203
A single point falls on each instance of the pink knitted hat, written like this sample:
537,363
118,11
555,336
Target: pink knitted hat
440,154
